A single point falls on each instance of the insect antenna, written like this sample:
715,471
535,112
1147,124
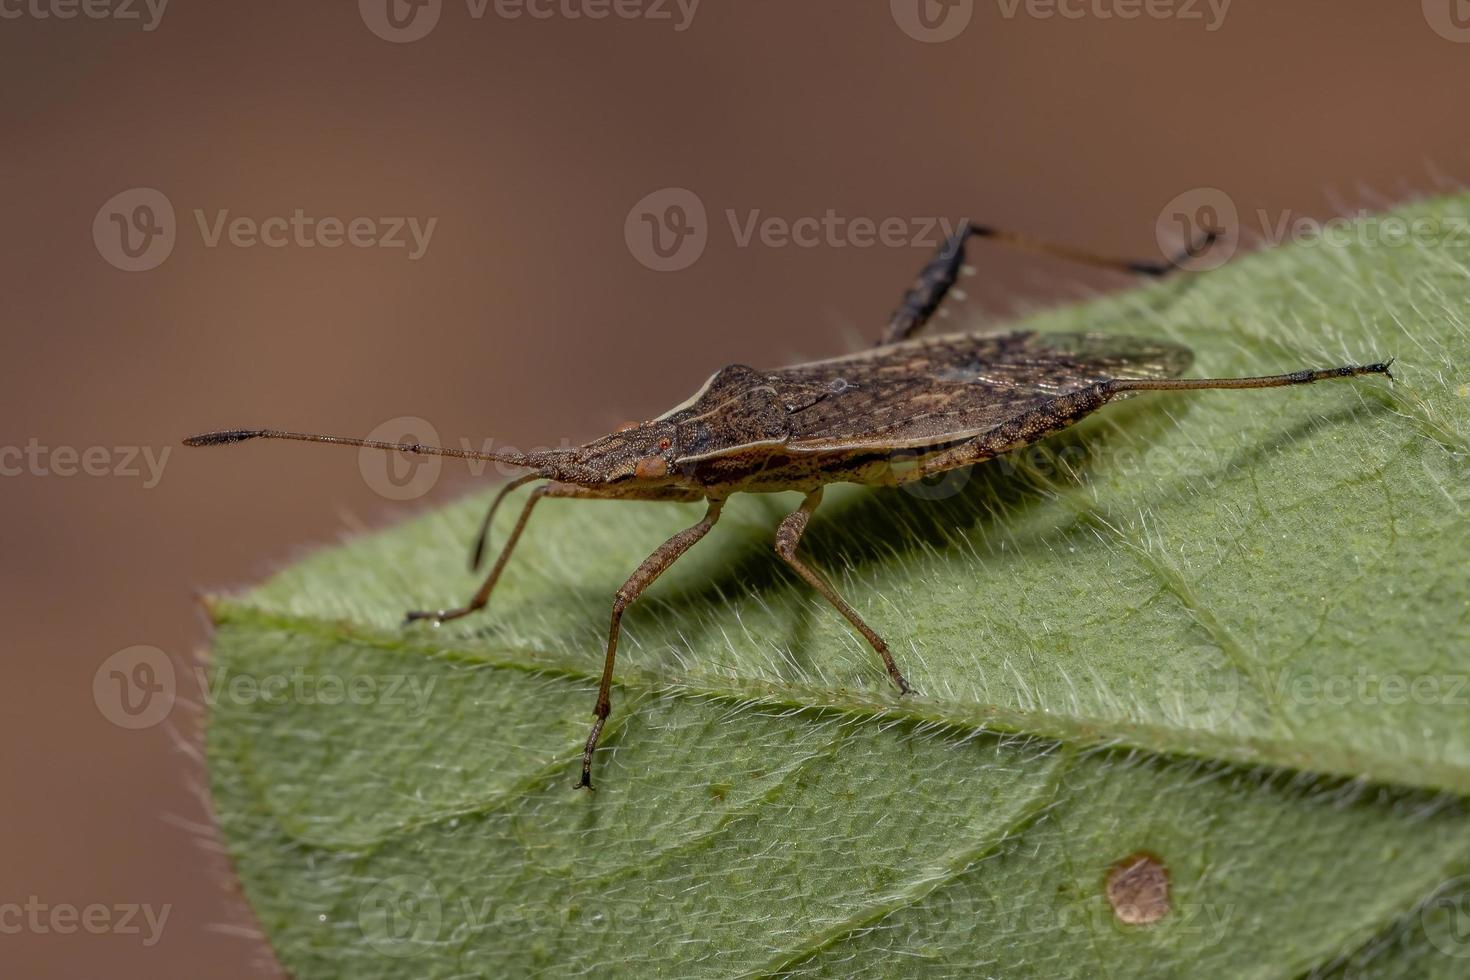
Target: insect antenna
228,436
1266,381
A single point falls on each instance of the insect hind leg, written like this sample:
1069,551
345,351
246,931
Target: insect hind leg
940,273
788,535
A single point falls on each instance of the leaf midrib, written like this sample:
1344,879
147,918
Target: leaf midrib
1275,751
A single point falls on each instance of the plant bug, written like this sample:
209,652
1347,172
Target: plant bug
940,403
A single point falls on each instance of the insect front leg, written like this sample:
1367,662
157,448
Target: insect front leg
653,566
568,490
788,535
482,596
941,272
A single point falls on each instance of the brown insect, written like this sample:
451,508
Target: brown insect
902,411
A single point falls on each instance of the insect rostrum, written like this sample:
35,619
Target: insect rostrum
902,411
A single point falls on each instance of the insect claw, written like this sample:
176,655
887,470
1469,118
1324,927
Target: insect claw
415,616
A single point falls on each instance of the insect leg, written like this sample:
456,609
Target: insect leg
788,535
482,596
653,566
477,553
570,490
940,274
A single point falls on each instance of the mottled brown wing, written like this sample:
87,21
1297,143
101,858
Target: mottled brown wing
939,389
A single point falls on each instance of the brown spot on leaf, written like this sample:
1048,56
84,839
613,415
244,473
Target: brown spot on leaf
1138,889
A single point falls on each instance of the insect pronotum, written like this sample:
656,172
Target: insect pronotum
937,403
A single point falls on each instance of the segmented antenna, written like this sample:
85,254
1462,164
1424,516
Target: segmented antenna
228,436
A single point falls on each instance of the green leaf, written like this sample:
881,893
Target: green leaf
1227,629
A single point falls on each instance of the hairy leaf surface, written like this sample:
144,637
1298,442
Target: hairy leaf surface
1229,629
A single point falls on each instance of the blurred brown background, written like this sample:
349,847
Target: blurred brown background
528,317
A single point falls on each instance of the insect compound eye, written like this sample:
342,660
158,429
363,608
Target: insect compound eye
651,468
